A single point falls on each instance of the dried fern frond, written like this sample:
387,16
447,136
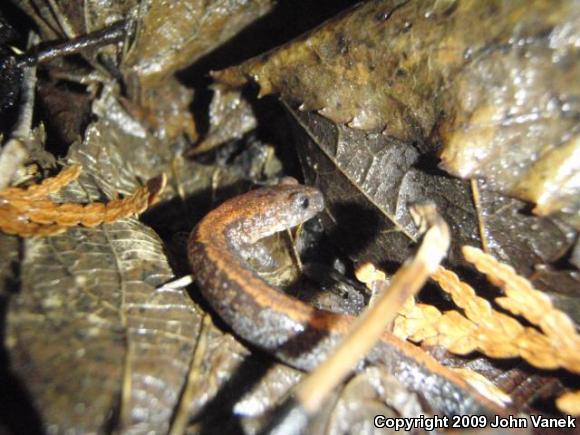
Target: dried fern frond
556,344
553,344
494,334
523,300
11,222
45,211
569,403
497,335
29,212
44,188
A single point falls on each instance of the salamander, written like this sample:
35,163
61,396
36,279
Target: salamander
295,332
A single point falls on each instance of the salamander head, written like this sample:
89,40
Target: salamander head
303,203
277,208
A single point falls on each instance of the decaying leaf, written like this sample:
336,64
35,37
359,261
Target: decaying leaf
170,38
521,133
499,80
410,74
349,70
369,181
102,345
230,116
132,339
553,345
118,345
88,331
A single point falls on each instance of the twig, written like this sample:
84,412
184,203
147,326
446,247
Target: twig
368,328
178,283
109,35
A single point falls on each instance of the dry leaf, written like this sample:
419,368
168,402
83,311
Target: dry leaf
396,67
90,332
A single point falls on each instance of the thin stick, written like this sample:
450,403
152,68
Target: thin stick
480,215
110,35
368,328
184,281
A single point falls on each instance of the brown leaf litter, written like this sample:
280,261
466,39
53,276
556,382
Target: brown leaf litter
552,341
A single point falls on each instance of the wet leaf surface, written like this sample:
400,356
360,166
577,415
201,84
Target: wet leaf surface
409,74
520,381
170,37
520,133
230,117
10,74
369,181
94,343
94,294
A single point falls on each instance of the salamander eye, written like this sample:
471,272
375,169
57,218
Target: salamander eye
301,201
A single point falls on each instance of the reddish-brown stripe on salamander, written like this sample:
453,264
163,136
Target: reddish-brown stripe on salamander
295,332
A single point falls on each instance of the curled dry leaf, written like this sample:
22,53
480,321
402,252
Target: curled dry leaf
230,117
